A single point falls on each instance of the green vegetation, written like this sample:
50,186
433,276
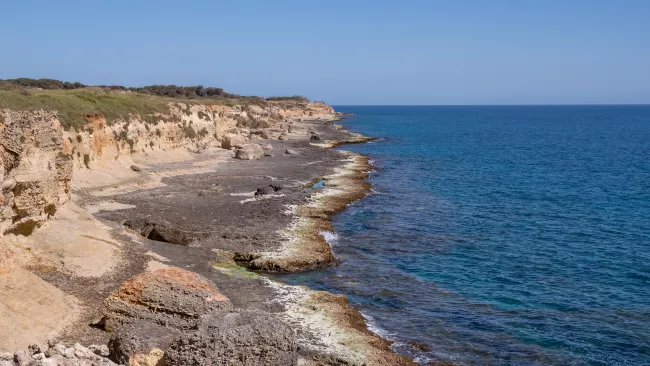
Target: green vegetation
74,106
76,102
233,270
297,98
39,83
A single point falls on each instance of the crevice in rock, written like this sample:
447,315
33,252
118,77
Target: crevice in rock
163,231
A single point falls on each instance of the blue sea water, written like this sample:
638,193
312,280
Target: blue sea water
509,235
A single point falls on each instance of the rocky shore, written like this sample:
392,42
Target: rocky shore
150,240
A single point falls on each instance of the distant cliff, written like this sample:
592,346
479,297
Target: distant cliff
46,137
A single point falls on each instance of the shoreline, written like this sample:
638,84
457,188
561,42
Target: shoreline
209,220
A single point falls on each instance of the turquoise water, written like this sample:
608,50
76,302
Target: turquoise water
502,235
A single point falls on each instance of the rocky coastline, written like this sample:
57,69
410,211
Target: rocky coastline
150,242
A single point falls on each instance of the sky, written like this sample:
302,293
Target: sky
343,52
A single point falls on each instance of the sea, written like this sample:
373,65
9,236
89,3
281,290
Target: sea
500,235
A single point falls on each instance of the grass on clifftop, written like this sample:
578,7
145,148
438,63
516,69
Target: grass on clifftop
74,105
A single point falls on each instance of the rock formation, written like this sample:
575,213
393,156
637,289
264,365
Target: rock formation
35,171
171,296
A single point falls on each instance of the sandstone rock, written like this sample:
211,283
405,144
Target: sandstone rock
81,351
35,172
231,140
170,296
244,338
68,353
283,136
6,356
100,350
267,147
249,152
271,133
22,358
55,349
49,362
141,343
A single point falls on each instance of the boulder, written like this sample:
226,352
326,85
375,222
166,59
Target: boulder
170,296
267,147
315,137
264,190
141,343
231,140
291,152
249,152
244,338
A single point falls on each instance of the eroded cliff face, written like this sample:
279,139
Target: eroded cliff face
35,172
195,127
39,160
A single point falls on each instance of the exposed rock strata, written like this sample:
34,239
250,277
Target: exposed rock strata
35,171
171,297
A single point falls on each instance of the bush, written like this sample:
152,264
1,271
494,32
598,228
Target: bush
298,98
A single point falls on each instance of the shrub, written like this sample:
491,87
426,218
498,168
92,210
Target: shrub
189,132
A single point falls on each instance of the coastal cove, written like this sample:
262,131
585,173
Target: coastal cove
500,234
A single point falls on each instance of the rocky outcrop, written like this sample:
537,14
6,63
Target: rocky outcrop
175,317
246,338
35,171
161,230
171,296
192,126
141,343
231,140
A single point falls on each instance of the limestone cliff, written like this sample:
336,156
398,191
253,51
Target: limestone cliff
39,159
35,172
192,126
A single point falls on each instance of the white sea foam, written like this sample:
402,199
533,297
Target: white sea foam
330,237
373,327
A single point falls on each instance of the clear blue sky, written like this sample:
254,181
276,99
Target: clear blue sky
343,52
